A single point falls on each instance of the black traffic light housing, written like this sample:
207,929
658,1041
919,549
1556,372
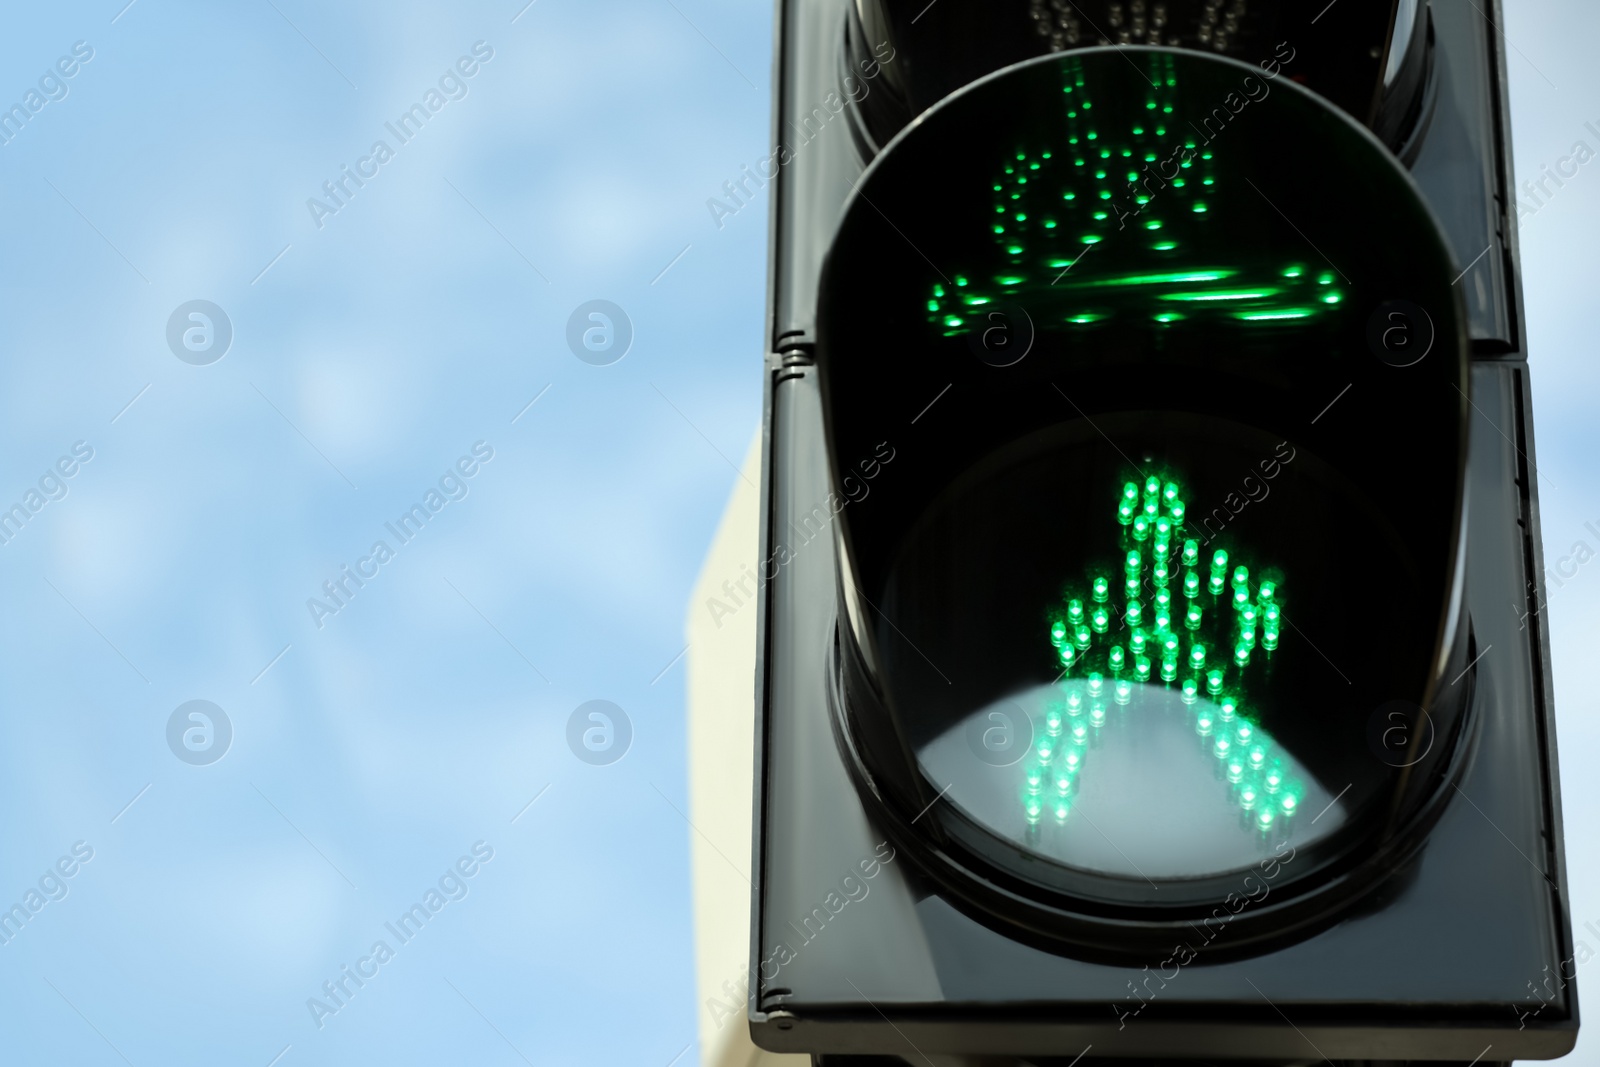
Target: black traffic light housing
888,922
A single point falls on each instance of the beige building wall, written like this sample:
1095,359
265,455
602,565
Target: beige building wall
721,632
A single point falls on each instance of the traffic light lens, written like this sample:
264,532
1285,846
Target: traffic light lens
1252,510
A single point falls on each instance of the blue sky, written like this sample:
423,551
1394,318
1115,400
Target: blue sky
419,319
368,354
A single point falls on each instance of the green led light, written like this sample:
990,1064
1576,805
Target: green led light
1164,246
1241,576
1097,716
974,301
1199,209
1191,618
952,320
1293,272
1137,641
1332,298
1141,668
1067,654
1075,611
1052,722
1191,553
1082,638
1133,562
1058,632
1258,757
1130,492
1179,512
1169,670
1015,250
1102,589
1197,657
1191,691
1229,708
1221,748
1141,528
1269,639
1090,239
1241,654
1325,278
1074,703
1289,804
1213,682
1191,584
1135,613
1236,294
1243,733
1122,692
1097,683
1153,224
1219,561
1275,316
1241,596
1216,583
1248,797
1034,808
1167,317
1100,620
1118,658
1264,820
1235,771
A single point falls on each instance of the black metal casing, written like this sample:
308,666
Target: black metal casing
1449,960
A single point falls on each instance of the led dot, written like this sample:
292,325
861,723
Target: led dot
1267,591
1033,808
1141,668
1264,820
1052,722
1118,658
1197,657
1075,611
1124,510
1133,562
1244,732
1214,682
1203,724
1215,584
1083,637
1290,804
1222,748
1067,653
1122,691
1135,613
1219,561
1063,808
1191,691
1191,584
1241,597
1097,716
1102,589
1046,748
1199,209
1137,641
1191,618
1248,797
1096,683
1141,528
1035,777
1080,735
1241,654
1100,620
1235,771
1074,703
1229,709
1058,632
1258,757
1169,670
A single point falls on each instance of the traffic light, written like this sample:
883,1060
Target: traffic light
1149,662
